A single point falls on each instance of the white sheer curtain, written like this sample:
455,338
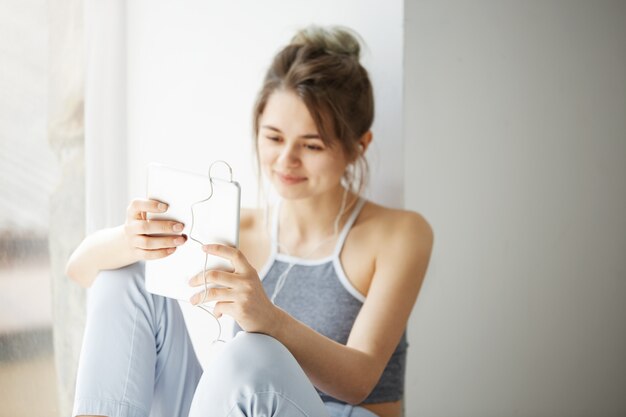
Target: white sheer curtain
105,113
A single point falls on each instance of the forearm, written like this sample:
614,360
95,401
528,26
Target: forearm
338,370
104,249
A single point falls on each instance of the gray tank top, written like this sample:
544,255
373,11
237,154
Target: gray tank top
318,293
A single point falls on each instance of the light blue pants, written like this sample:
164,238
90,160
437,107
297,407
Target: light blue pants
137,360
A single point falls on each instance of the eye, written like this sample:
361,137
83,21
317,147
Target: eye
314,147
273,138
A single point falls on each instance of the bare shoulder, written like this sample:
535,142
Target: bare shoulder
253,236
400,243
396,226
249,218
252,224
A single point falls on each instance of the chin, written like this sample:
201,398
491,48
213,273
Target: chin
290,193
303,193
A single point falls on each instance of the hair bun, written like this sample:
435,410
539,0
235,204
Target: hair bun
333,39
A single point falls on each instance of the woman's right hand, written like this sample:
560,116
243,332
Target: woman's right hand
151,239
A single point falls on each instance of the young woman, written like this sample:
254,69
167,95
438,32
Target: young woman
322,291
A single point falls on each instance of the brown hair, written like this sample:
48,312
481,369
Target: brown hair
321,65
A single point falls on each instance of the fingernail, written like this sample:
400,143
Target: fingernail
171,250
162,206
179,240
178,227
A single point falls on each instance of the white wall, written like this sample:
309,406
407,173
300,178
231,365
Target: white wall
194,68
515,125
193,71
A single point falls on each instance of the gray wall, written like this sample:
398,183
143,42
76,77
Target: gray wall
515,129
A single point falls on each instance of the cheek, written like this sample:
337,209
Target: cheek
266,155
332,166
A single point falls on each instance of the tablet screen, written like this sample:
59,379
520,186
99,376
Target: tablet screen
209,209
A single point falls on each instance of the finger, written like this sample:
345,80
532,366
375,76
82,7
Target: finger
139,206
234,255
157,242
212,294
224,307
154,227
155,254
214,276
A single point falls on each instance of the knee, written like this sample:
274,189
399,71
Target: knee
253,374
259,349
121,279
258,346
118,286
254,357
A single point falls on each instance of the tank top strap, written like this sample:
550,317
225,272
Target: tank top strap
346,228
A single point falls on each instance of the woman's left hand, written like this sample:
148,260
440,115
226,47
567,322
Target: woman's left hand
241,296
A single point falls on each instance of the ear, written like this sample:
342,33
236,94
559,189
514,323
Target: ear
364,141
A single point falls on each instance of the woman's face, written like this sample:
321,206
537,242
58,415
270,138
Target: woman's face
291,152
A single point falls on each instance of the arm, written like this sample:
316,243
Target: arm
351,372
126,244
347,372
104,249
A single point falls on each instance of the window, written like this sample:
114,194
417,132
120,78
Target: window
28,174
41,203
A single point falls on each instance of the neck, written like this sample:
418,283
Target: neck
313,219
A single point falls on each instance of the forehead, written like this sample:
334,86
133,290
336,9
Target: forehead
287,112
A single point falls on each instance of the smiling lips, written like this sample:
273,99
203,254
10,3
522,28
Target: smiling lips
290,179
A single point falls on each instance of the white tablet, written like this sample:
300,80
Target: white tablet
208,220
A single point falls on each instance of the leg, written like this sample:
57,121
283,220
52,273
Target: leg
347,410
255,375
137,359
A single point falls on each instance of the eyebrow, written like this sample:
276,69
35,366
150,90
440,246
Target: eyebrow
306,136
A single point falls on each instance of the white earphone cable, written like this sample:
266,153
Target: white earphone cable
206,257
283,276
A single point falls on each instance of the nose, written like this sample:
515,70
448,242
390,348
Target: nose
289,156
